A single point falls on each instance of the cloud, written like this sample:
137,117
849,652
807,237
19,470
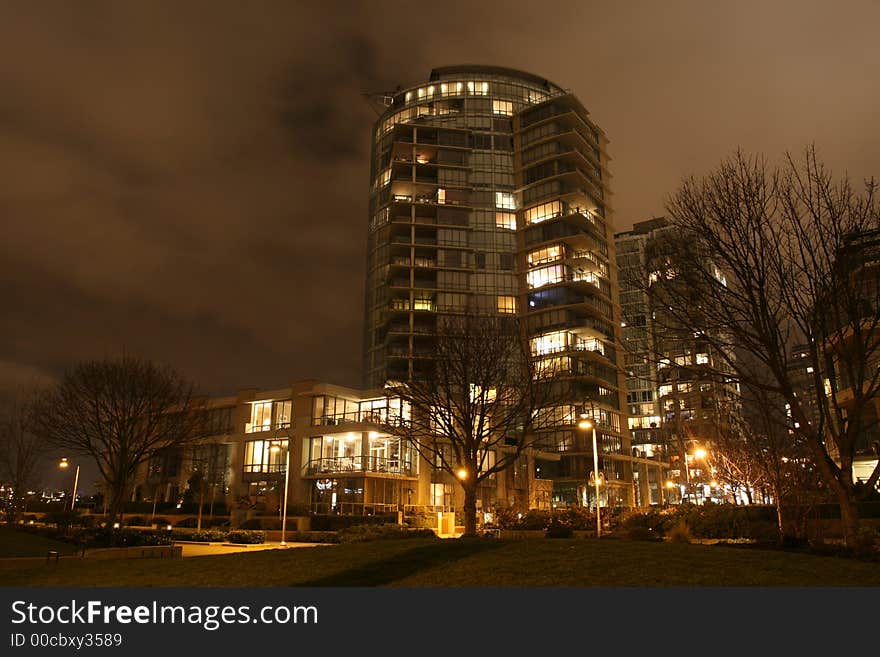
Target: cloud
189,180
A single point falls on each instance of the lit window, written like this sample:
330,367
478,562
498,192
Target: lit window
430,91
505,200
702,359
545,276
810,369
544,211
408,96
423,304
261,417
483,394
478,88
545,255
441,196
502,107
505,220
549,342
506,304
591,344
421,93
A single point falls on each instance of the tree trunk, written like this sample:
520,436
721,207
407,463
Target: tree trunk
201,504
849,517
780,520
117,503
470,508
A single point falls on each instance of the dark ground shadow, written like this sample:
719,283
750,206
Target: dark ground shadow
380,573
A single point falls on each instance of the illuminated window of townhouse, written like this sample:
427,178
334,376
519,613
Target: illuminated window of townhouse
507,304
261,416
542,212
478,88
545,255
505,220
505,201
548,343
702,359
545,276
502,107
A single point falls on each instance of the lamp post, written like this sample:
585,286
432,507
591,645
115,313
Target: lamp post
64,464
275,448
588,424
699,454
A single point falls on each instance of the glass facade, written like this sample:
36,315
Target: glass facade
488,195
443,208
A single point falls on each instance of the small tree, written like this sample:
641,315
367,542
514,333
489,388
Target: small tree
119,412
481,405
761,453
21,449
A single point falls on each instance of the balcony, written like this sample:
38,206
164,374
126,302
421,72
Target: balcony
345,465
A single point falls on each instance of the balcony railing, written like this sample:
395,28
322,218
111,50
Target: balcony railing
352,464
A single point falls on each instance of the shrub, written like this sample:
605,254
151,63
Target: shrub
864,545
388,531
640,533
421,520
559,530
313,537
248,537
63,519
336,522
107,537
205,535
654,522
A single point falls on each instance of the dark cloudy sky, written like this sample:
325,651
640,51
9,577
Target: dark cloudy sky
188,181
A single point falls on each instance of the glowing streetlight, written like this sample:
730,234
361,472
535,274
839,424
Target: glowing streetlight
64,464
700,453
275,447
585,423
462,474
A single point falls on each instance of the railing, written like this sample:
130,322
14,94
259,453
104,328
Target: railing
346,464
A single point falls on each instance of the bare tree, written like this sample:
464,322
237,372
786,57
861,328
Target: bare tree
773,257
482,404
21,449
762,454
119,412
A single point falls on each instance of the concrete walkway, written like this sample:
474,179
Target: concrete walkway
210,549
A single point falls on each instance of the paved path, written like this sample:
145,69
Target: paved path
209,549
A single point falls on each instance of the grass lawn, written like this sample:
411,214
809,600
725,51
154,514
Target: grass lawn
479,562
21,544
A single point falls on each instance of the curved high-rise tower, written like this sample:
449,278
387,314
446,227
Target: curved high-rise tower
489,192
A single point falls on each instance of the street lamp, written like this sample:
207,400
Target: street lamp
64,464
585,423
699,454
274,448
